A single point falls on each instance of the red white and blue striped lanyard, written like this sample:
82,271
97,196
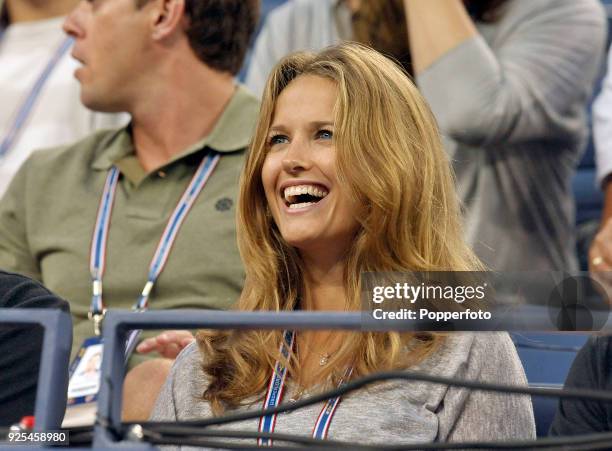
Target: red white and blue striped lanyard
97,260
275,395
23,112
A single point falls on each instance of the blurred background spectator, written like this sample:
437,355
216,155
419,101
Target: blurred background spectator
41,104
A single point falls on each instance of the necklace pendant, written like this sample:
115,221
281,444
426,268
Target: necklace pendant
324,359
296,396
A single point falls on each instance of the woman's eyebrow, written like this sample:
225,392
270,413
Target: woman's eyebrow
319,124
277,128
313,125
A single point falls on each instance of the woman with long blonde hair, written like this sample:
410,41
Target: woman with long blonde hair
346,174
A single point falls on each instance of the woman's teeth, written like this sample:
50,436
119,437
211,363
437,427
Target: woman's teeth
300,205
292,195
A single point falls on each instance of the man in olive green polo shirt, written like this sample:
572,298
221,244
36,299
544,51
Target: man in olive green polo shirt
171,65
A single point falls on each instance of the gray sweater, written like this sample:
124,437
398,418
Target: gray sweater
392,412
511,104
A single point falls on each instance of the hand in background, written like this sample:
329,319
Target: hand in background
600,258
168,344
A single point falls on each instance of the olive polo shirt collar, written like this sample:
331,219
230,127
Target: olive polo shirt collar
231,133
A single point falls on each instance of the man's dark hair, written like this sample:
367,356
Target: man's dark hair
488,11
4,18
220,31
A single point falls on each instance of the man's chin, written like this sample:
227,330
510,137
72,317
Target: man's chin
95,103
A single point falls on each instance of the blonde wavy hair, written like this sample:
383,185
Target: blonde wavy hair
390,158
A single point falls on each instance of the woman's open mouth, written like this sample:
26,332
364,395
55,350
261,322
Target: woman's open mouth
302,196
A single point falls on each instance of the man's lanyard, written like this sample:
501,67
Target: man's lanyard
24,111
100,237
275,394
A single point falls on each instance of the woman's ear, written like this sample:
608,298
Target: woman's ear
167,17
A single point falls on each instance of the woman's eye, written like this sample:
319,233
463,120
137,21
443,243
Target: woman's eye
325,134
278,139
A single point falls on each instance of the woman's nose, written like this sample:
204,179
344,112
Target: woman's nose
297,158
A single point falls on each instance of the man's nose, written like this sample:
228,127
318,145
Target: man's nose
73,25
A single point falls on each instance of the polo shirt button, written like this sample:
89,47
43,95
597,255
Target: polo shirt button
224,204
161,174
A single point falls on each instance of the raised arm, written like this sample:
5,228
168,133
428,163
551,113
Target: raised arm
426,20
532,83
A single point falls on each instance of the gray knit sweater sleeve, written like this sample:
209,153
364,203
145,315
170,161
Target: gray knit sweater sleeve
472,415
523,78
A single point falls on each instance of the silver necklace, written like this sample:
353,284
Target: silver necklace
324,359
323,356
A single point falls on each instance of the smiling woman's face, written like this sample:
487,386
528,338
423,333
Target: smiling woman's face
312,211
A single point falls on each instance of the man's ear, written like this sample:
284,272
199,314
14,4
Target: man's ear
168,16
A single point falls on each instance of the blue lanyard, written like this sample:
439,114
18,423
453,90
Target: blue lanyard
100,237
24,111
275,394
275,389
